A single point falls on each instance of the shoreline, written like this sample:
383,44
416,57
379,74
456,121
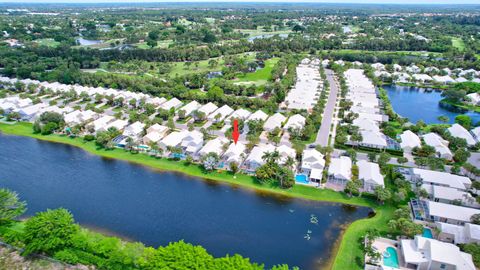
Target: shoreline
339,252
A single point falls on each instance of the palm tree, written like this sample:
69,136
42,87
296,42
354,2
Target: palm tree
289,162
271,157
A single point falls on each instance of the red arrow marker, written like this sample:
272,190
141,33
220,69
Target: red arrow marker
235,133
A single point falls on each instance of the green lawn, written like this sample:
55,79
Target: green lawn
261,76
160,44
49,42
458,43
260,31
349,249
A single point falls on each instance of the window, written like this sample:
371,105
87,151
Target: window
443,266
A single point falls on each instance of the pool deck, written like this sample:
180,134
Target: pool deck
381,244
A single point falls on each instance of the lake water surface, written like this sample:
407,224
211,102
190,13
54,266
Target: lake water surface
417,103
159,207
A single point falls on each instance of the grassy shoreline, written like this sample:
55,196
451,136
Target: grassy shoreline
349,249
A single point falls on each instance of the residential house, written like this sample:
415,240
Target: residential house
430,254
456,234
340,170
255,158
458,131
369,174
440,145
409,141
274,121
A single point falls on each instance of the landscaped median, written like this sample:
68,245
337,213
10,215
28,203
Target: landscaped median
349,250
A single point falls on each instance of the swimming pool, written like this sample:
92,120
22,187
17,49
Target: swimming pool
427,233
391,260
301,178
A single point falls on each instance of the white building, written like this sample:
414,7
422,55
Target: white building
102,122
192,142
410,140
213,146
456,234
458,131
369,174
274,121
312,159
208,108
172,103
190,107
430,254
436,178
295,121
173,139
449,213
255,158
220,114
340,170
258,116
134,130
235,153
440,145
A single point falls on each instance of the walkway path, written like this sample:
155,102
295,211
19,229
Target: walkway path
324,131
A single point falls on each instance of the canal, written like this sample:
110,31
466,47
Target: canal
153,207
419,104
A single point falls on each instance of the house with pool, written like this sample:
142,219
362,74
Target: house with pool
420,253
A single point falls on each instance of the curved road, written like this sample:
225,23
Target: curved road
324,131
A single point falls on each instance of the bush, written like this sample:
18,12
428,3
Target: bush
89,138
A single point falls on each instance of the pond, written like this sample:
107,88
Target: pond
88,42
251,39
154,207
419,103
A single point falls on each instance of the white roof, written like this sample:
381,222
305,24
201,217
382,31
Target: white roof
213,146
173,139
311,158
157,128
446,193
458,131
409,140
257,153
208,108
296,121
240,114
443,178
234,152
286,151
134,129
422,77
443,79
118,124
102,122
476,132
258,115
223,111
366,124
370,172
274,121
340,167
190,107
172,103
451,211
422,250
316,173
373,138
153,136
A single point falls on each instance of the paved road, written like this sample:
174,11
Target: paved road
324,131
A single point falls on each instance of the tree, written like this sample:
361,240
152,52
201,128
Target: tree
402,160
298,28
10,205
210,161
461,155
382,194
464,120
383,159
215,93
271,157
49,231
372,157
475,219
454,95
444,119
353,187
233,166
352,154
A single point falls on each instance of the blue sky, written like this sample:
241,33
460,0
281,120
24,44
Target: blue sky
289,1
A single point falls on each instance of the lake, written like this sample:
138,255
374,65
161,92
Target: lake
416,103
154,207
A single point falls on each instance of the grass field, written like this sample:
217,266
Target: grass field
349,247
261,76
260,31
49,42
160,44
458,43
